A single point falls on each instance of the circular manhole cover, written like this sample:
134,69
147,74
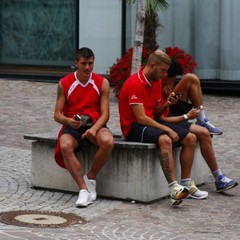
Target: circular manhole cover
40,219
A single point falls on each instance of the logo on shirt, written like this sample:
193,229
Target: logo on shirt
134,97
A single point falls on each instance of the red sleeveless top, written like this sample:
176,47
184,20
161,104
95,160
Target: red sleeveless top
83,99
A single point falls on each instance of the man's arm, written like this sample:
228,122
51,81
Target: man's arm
161,108
143,119
193,113
60,101
58,112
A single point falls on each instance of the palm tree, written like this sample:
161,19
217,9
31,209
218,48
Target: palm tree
139,36
147,23
152,22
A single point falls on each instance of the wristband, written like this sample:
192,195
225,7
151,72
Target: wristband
185,117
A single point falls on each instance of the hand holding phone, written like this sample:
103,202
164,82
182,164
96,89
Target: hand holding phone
177,95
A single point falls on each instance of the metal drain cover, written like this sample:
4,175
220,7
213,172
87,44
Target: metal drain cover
40,219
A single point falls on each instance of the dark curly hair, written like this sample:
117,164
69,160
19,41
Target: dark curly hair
174,68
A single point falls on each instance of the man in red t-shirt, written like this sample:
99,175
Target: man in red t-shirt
138,100
82,107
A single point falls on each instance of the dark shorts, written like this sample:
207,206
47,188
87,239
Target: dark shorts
180,108
77,134
182,129
146,134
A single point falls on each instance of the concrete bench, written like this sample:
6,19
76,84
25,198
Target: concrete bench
132,173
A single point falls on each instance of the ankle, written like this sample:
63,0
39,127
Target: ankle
172,185
185,182
217,173
91,176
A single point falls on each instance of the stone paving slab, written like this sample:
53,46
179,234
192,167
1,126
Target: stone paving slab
27,108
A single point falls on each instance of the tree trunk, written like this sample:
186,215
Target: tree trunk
139,36
150,31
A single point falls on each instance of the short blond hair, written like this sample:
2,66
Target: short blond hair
159,57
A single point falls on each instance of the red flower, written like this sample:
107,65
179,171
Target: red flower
185,59
120,71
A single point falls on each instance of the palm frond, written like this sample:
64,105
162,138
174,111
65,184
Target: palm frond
153,5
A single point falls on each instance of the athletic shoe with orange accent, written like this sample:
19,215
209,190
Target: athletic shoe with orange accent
178,193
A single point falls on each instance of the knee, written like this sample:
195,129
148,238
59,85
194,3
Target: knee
66,147
193,78
107,142
190,139
204,135
165,142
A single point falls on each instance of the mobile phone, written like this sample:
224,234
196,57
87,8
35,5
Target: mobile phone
177,95
199,108
77,117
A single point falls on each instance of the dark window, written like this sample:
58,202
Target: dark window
38,32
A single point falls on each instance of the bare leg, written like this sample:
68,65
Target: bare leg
105,142
190,88
187,155
206,147
68,144
166,158
177,192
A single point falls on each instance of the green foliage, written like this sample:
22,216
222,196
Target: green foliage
153,5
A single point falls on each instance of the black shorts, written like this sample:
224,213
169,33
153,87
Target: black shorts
146,134
180,108
182,129
77,134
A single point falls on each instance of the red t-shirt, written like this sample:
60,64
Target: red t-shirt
137,90
79,99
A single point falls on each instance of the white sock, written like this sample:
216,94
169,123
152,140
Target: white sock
185,182
172,185
217,173
201,116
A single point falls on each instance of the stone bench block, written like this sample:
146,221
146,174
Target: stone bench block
133,171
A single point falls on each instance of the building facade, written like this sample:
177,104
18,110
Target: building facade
41,36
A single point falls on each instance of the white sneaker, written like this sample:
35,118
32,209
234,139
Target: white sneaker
84,198
196,193
91,185
178,193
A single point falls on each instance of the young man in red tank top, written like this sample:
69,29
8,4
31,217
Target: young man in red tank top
82,107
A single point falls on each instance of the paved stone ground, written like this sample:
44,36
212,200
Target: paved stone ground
27,107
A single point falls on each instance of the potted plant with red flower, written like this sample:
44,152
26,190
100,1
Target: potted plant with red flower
121,69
